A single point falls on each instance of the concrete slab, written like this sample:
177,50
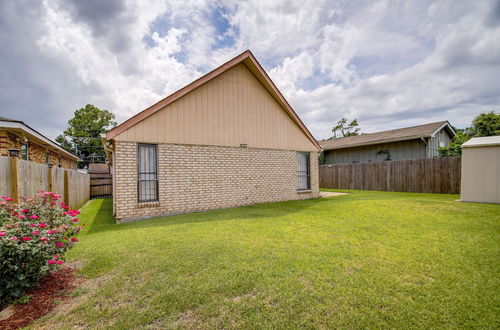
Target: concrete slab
324,194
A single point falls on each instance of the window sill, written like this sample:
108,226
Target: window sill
148,204
307,191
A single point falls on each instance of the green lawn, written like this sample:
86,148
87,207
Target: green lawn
363,260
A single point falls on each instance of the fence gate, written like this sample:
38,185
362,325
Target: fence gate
101,186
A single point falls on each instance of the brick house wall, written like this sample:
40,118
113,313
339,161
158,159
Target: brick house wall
36,152
197,178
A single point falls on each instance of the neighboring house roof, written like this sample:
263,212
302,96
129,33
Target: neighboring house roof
394,135
20,127
486,141
95,168
251,63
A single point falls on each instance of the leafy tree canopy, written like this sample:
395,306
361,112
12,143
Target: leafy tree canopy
485,124
83,135
344,129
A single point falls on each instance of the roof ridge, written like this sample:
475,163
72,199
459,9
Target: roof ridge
408,127
240,59
398,134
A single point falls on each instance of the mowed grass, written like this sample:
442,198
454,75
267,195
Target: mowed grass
363,260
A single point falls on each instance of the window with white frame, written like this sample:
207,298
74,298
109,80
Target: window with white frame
147,174
303,171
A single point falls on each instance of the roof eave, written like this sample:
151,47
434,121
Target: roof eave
414,137
22,126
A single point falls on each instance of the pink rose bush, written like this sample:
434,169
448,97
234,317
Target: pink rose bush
34,235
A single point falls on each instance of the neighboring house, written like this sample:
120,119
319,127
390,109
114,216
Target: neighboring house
414,142
18,138
229,138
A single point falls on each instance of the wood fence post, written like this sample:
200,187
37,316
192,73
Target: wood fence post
66,187
14,178
50,178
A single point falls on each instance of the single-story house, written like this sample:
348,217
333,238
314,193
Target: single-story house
227,139
416,142
17,138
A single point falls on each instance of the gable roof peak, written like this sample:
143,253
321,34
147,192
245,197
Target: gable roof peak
246,58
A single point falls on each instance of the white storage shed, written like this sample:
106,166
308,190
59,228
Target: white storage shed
481,170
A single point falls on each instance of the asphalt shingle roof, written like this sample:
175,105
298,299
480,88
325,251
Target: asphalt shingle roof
400,134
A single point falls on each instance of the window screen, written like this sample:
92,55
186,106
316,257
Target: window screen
303,171
147,173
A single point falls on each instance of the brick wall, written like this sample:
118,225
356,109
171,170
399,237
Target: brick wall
198,178
36,153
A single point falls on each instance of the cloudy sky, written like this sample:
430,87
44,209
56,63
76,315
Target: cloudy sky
387,63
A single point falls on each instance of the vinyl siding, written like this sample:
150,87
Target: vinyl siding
434,143
481,174
412,149
229,110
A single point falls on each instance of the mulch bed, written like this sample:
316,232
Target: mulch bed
53,288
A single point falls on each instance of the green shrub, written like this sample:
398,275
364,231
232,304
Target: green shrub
34,235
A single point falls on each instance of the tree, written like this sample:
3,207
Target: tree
344,129
485,124
83,135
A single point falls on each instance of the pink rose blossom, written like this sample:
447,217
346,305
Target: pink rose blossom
25,211
56,256
78,228
74,239
50,232
34,216
43,238
59,244
60,262
21,216
2,234
25,239
13,238
51,262
53,203
35,232
42,225
33,225
75,219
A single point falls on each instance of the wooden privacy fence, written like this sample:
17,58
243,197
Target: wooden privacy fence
431,175
101,185
20,178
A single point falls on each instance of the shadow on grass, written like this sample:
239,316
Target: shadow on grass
101,214
103,219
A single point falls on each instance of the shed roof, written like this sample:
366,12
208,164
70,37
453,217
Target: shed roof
486,141
394,135
251,63
98,168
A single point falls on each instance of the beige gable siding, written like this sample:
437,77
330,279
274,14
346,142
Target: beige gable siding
230,110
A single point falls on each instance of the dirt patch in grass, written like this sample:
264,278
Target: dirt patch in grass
240,297
53,288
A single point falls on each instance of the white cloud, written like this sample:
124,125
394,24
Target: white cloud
386,63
